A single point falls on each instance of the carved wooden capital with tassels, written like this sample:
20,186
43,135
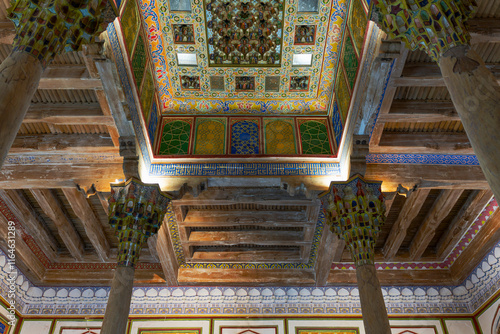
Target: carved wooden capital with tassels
45,28
136,212
355,211
434,26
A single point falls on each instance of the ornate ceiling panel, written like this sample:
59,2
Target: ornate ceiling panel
245,51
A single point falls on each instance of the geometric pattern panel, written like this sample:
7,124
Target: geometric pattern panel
175,137
280,136
244,33
314,137
245,136
343,95
350,61
357,24
130,24
147,91
139,61
210,136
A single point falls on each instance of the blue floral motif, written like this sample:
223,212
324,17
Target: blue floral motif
245,138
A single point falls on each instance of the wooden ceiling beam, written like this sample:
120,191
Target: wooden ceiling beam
228,238
63,143
25,176
251,255
484,30
449,176
439,210
97,277
167,257
423,142
462,221
405,111
410,210
68,77
67,114
397,277
25,259
90,222
248,217
31,221
53,209
262,277
330,250
483,242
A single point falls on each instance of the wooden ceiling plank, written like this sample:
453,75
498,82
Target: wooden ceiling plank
63,143
416,174
475,203
167,256
439,210
68,76
24,255
330,250
485,240
53,209
67,113
397,277
423,142
410,210
269,277
251,255
31,221
207,238
249,217
90,222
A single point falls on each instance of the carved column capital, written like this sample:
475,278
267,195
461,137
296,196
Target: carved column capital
45,28
355,211
136,212
434,26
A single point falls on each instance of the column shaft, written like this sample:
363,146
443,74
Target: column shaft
476,96
375,317
117,310
20,74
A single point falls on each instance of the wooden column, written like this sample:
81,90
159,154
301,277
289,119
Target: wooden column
440,28
41,34
19,77
136,211
355,211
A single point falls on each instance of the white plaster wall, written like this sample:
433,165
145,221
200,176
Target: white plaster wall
460,326
36,327
486,318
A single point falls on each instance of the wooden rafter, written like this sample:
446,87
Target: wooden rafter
423,142
53,209
31,221
439,210
410,210
90,222
330,250
63,143
68,114
420,111
462,221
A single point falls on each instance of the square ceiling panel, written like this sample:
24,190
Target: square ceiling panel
244,39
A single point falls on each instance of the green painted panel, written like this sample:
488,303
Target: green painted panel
314,137
175,138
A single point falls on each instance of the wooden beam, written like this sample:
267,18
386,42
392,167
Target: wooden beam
484,241
470,177
330,250
405,111
439,210
67,113
423,142
63,143
425,81
90,222
270,277
53,209
104,201
97,277
252,217
167,257
390,277
475,203
24,257
68,77
410,210
25,176
484,30
228,238
245,255
31,221
390,93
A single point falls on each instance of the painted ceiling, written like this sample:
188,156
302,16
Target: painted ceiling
244,54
